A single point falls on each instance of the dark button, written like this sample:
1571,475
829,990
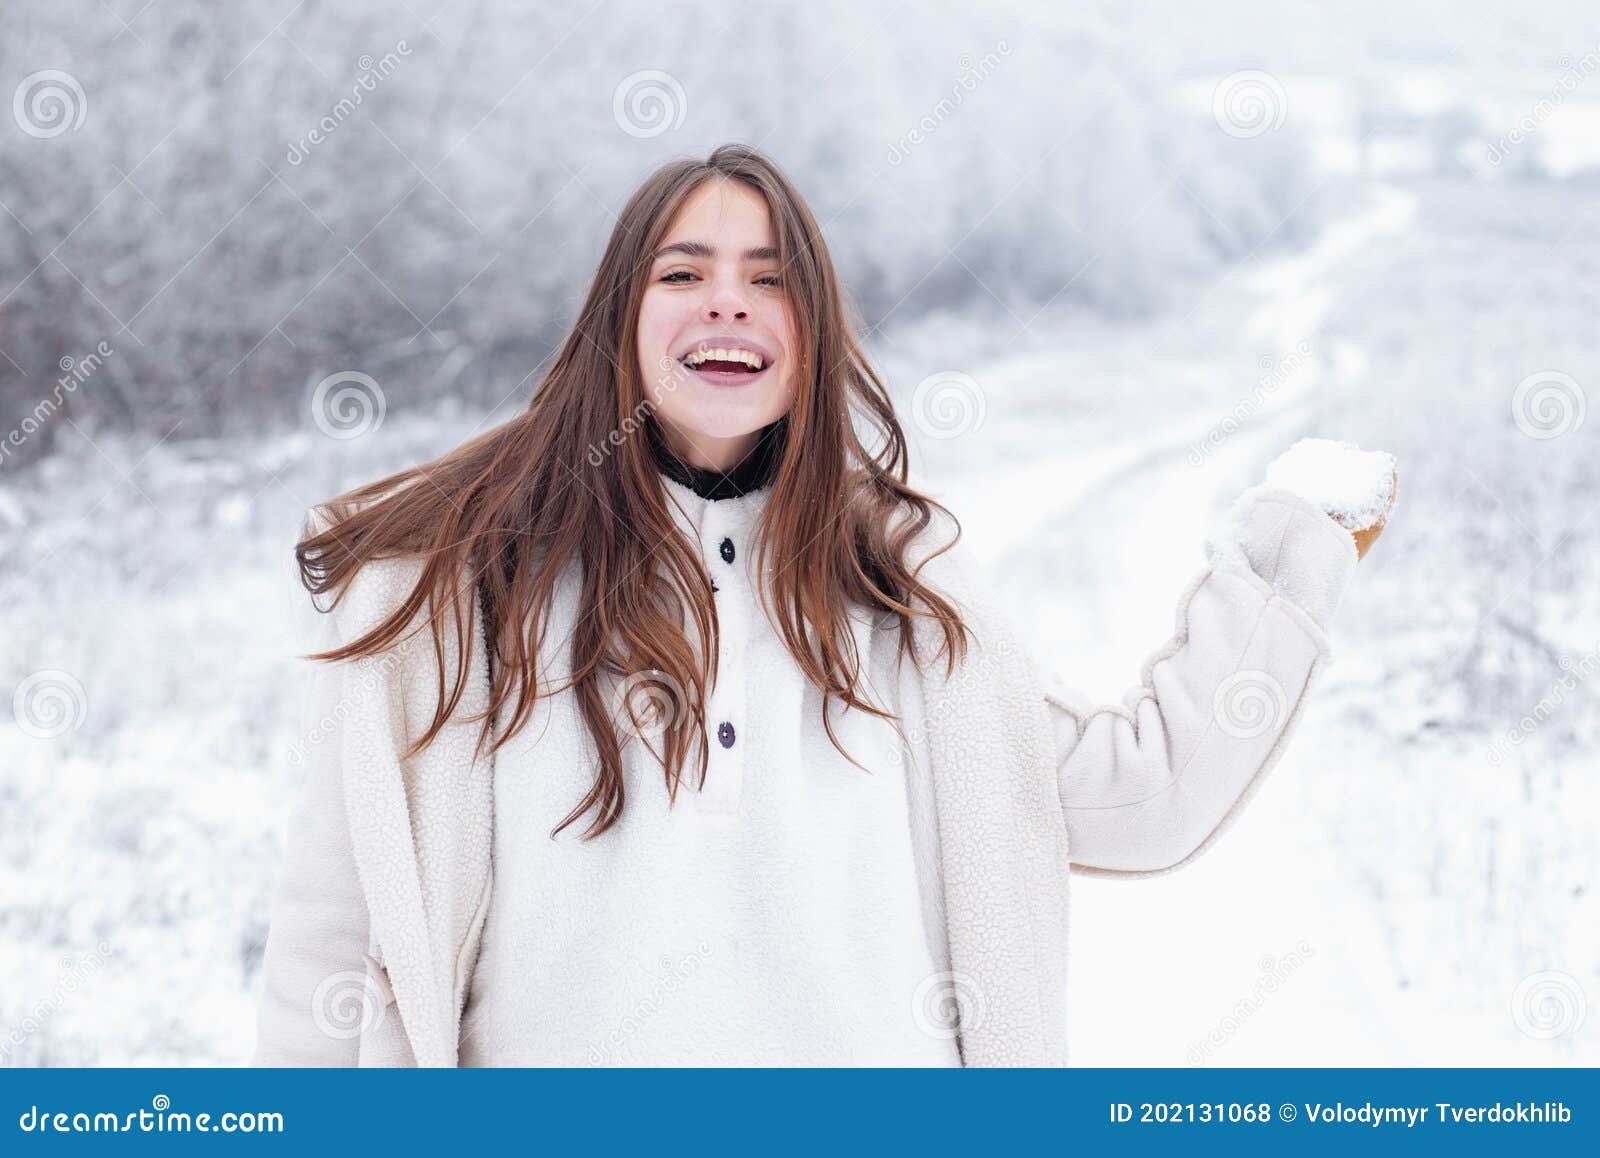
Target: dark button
725,734
727,550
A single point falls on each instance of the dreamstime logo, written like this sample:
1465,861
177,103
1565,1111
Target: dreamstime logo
74,373
649,103
74,972
347,405
948,404
1549,1004
49,103
674,975
1273,376
898,755
673,374
901,751
372,71
1574,672
651,701
1249,103
947,1004
1548,404
1572,75
348,1003
973,72
1248,704
373,670
1275,972
49,703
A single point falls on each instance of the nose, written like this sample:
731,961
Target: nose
725,301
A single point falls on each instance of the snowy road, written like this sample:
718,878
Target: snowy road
1272,948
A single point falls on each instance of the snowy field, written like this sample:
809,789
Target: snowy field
1417,883
1424,853
1389,890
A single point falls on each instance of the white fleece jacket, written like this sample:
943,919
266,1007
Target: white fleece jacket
799,910
786,914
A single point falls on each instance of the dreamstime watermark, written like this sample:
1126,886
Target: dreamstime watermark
1573,74
947,1004
972,74
1249,103
1249,704
160,1118
75,971
1547,404
649,703
948,404
1574,672
648,103
49,103
1275,972
348,405
74,373
351,1002
50,703
372,72
1273,376
996,659
371,671
674,974
1549,1004
673,375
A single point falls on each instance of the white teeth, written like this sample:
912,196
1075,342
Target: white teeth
717,354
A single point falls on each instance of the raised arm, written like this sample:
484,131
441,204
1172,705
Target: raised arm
1149,783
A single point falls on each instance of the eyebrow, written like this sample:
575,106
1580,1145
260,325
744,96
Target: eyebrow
701,249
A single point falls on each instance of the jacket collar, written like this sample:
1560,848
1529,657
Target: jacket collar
752,473
700,512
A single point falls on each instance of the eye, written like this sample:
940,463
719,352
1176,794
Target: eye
771,279
673,277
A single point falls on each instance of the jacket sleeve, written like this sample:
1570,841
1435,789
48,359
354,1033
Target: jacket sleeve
315,973
1147,784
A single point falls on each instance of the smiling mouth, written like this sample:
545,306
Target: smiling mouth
724,371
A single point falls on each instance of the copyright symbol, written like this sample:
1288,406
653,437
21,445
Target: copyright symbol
1286,1112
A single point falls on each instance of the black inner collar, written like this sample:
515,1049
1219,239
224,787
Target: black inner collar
751,473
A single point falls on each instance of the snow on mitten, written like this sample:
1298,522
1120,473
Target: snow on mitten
1356,487
1302,529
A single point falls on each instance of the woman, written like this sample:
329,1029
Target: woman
828,807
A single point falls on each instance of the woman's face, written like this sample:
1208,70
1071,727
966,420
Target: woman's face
715,285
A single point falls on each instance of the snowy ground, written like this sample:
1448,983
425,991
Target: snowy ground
1394,896
1392,886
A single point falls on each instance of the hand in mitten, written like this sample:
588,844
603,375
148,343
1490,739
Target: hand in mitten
1357,488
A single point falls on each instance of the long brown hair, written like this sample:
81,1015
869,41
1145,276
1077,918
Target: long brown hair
504,514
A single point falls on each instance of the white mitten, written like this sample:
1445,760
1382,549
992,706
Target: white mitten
1301,530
